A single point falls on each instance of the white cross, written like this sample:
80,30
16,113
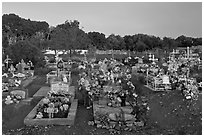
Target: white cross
173,52
153,59
7,61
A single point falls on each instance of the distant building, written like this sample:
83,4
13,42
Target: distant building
184,51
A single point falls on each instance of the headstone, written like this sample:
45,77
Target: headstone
140,60
65,79
7,61
23,65
19,67
19,92
165,79
12,69
60,64
59,86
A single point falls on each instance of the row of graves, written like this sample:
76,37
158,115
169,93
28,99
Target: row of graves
15,80
58,105
174,75
110,90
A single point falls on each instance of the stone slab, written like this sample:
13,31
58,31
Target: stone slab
27,101
157,89
104,109
42,92
29,119
26,82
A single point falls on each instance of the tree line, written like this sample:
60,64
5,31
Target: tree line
23,38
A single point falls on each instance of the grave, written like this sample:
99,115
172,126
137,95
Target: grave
69,120
57,91
104,109
158,84
105,115
108,117
18,95
20,92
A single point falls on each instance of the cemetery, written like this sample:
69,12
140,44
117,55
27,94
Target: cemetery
106,87
64,81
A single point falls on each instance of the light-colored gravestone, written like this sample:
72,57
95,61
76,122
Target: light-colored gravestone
21,93
23,64
51,75
12,69
59,86
165,79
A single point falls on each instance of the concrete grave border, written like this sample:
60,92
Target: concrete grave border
29,119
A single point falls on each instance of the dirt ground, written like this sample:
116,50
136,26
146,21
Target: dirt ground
170,114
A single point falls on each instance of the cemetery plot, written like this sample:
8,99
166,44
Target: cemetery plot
17,77
58,107
158,84
15,96
36,118
109,114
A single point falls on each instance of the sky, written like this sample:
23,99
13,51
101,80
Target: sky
120,18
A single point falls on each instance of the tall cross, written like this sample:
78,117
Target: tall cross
150,56
188,52
153,59
7,61
85,57
169,57
173,52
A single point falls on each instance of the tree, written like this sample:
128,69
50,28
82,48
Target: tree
22,28
68,36
185,41
128,42
26,51
169,43
141,46
116,42
98,40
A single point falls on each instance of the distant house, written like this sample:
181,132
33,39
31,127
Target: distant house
60,52
81,51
